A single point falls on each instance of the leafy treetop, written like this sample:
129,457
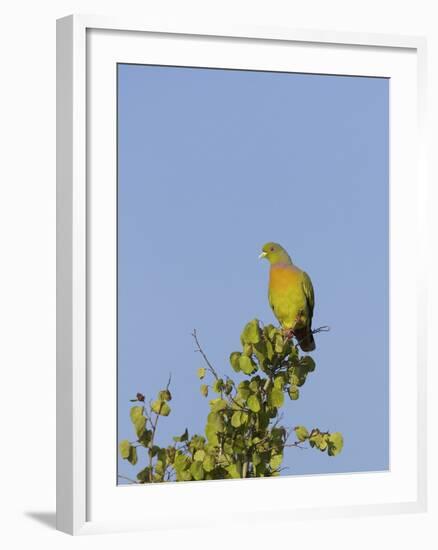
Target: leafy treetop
243,434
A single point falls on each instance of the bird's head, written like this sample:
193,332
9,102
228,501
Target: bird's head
275,254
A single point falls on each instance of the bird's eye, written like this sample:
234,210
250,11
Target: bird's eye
272,249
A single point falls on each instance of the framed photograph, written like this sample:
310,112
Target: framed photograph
241,275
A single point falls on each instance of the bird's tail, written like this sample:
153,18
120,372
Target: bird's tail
305,338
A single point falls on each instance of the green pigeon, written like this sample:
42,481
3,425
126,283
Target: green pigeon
291,295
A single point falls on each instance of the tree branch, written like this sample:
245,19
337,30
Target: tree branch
201,351
154,429
297,444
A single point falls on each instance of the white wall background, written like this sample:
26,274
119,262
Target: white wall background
27,269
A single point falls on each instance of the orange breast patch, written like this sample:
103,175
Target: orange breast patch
282,278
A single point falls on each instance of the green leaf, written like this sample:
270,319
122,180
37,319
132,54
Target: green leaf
208,463
197,442
201,372
217,405
199,455
234,360
143,475
262,420
301,432
183,437
247,350
276,461
261,351
269,350
307,363
156,406
276,398
204,390
181,461
211,434
239,444
236,419
278,434
279,381
161,408
218,385
170,453
145,437
164,395
287,346
154,450
132,455
254,384
256,459
293,377
183,475
270,332
228,386
214,426
139,426
243,390
251,333
159,466
271,412
318,439
335,443
260,469
125,448
135,413
294,393
215,419
253,403
293,354
197,471
234,470
246,365
278,343
162,455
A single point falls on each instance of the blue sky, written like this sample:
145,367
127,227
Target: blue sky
213,164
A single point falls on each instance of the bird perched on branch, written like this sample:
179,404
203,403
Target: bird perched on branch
291,295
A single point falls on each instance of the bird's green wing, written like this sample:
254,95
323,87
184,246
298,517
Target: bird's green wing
309,294
270,300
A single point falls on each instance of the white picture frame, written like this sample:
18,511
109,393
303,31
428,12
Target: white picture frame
85,503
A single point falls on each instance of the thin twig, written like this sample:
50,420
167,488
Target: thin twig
154,429
201,351
297,444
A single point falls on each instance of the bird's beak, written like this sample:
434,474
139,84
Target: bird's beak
263,255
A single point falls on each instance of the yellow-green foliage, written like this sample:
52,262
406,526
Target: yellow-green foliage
242,437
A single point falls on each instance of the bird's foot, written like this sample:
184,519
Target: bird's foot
288,333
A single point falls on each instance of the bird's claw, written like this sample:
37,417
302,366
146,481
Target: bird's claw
288,333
